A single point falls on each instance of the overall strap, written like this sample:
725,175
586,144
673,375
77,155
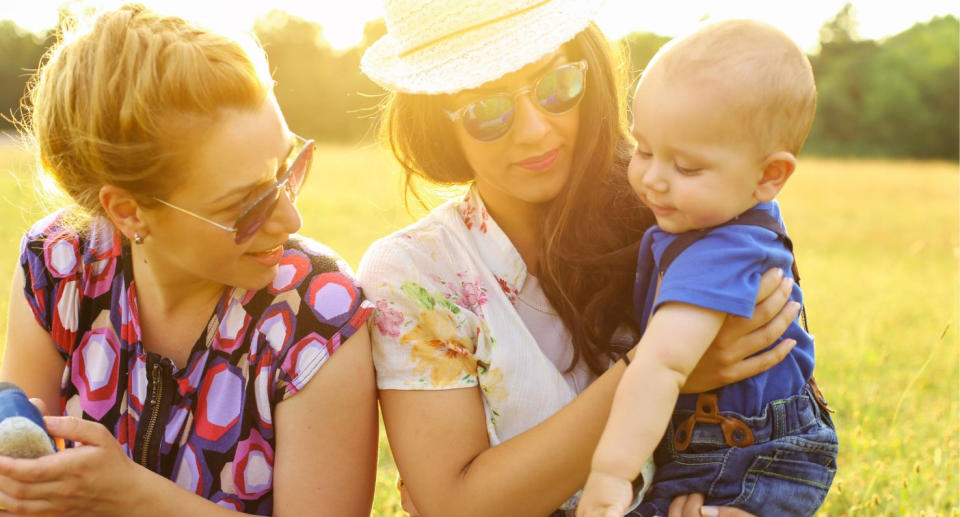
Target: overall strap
750,218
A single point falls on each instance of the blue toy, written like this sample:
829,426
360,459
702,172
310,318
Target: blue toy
22,433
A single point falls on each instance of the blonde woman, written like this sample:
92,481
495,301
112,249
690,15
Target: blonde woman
202,358
501,316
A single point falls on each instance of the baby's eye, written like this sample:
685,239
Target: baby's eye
687,171
643,154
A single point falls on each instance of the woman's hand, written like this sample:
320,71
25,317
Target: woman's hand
691,505
730,358
95,478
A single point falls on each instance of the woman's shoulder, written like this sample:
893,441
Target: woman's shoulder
417,245
312,307
307,265
64,245
53,226
315,281
321,257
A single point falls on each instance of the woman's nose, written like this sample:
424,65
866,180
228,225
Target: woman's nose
530,123
285,217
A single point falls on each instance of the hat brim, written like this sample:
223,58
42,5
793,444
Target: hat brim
478,56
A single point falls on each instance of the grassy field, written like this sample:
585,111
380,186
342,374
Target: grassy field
877,244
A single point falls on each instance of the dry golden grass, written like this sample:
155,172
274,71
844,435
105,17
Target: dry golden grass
877,244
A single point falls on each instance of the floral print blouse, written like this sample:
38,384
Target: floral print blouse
209,425
446,292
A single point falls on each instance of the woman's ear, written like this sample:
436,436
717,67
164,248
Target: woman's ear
124,212
777,169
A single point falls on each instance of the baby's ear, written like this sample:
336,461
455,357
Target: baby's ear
777,169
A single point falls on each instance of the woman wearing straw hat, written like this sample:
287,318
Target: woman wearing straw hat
499,314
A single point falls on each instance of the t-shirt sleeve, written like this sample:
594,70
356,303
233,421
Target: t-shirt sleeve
331,308
722,270
421,339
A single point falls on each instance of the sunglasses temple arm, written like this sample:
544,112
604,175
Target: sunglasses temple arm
198,216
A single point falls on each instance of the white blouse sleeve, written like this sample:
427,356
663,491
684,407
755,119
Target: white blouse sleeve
422,339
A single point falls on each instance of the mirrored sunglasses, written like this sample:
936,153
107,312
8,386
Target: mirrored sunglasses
556,92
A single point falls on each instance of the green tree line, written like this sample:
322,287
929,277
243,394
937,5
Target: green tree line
897,97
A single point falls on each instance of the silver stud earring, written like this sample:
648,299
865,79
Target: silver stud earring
137,238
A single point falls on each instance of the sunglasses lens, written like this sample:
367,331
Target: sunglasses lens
560,90
250,221
299,171
490,118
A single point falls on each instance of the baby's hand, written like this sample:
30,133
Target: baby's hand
605,495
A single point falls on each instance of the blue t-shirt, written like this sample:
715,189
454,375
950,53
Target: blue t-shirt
722,271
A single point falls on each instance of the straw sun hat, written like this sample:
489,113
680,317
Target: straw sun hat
444,46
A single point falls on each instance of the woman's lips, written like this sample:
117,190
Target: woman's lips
270,257
540,163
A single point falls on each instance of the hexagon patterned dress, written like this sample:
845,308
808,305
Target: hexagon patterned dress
209,425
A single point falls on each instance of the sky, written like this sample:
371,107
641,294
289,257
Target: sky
343,20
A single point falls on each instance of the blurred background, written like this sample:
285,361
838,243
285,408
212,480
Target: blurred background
886,72
873,208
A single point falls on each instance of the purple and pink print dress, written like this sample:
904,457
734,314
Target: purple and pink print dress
209,425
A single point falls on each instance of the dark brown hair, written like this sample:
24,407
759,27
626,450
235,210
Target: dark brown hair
592,229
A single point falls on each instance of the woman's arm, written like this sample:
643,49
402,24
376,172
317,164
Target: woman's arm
439,441
440,444
30,359
326,458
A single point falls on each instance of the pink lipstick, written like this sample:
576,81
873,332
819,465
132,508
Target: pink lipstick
270,257
542,162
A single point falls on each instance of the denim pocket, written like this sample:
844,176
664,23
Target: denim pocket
790,482
682,474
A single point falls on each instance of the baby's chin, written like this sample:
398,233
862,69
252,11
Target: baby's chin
672,226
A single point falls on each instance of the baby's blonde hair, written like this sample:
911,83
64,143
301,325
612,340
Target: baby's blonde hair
765,79
124,101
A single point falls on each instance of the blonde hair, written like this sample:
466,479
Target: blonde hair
123,101
765,79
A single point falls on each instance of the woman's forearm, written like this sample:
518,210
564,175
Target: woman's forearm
440,443
564,442
160,497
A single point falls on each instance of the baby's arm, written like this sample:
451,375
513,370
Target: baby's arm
676,337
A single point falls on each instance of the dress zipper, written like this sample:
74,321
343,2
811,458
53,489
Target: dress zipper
156,396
